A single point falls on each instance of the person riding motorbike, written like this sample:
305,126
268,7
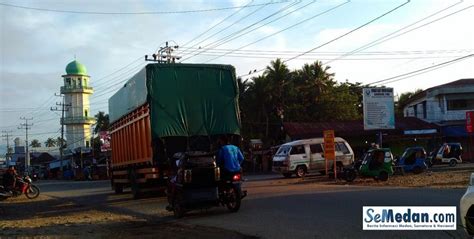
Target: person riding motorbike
9,179
229,158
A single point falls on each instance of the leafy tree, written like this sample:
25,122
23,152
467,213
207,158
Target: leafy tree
102,120
50,142
35,143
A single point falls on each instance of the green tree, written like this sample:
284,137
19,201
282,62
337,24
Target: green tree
35,143
102,120
50,142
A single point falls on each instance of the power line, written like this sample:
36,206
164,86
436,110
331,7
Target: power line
230,25
139,13
422,69
215,25
349,32
337,38
247,30
390,36
287,28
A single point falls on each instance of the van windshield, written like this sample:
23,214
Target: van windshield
283,150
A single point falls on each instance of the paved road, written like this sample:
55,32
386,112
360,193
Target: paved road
277,208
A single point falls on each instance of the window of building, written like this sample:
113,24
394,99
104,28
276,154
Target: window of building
424,109
86,113
415,110
461,104
79,81
68,81
87,144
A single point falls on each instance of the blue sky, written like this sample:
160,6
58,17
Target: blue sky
36,46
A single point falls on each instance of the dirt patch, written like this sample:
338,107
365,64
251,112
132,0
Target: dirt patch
48,217
445,179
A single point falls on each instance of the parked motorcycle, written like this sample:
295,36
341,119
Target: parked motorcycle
23,186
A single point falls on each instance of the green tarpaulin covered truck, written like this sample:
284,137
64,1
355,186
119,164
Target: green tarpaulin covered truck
167,108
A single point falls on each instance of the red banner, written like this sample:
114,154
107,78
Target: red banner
470,121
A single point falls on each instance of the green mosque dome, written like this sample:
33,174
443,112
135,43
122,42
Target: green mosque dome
76,68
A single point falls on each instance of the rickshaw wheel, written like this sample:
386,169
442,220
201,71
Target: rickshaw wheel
383,176
417,170
452,163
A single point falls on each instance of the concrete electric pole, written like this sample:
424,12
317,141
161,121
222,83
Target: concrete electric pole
26,127
64,108
7,135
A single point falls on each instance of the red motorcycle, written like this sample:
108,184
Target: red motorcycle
23,186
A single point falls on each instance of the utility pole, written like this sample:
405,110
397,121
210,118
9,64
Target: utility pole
64,108
7,135
26,127
164,55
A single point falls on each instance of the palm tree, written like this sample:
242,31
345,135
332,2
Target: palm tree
59,140
35,143
102,120
50,142
278,74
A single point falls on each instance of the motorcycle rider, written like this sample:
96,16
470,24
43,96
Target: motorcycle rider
9,178
229,157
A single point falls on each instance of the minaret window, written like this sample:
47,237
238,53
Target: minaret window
86,113
68,81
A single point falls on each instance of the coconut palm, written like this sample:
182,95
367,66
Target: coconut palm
50,142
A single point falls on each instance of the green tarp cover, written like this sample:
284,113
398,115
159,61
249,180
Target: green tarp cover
129,97
192,99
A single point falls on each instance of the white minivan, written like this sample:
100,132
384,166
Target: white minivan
303,156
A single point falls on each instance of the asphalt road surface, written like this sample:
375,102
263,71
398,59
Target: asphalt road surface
276,207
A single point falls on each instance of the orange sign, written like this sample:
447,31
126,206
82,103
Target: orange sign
330,150
329,146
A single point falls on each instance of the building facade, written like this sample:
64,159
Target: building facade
77,120
444,104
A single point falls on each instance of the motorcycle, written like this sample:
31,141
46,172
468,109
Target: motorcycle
198,184
23,186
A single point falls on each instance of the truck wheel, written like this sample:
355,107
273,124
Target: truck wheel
452,163
383,176
287,175
118,188
134,185
300,171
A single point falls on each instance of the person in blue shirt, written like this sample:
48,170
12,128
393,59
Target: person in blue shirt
229,157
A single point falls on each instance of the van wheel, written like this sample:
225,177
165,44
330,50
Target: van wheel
383,176
300,171
452,163
287,175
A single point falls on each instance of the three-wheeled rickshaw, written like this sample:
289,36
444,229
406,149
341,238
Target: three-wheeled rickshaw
376,163
413,160
447,153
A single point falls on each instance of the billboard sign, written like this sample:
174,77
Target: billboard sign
379,110
104,141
